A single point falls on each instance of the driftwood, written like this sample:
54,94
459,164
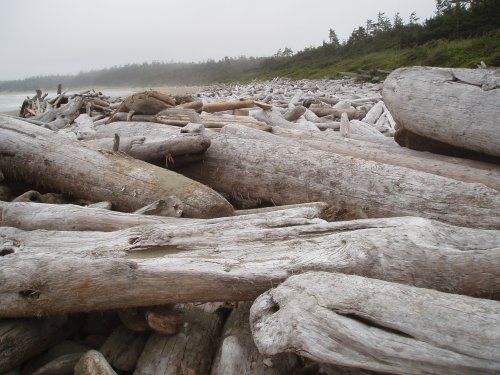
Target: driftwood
274,118
93,363
458,169
123,348
454,106
322,110
236,104
136,129
61,365
146,103
376,325
156,150
63,115
283,174
32,216
42,157
188,352
21,339
233,261
237,353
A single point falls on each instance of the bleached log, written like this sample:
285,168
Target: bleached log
156,265
136,129
458,169
294,113
67,113
376,325
374,113
364,129
39,156
242,131
123,348
274,118
155,150
93,363
237,353
333,125
67,217
284,174
345,126
237,104
448,105
21,339
189,352
169,206
321,111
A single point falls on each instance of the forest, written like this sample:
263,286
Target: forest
461,34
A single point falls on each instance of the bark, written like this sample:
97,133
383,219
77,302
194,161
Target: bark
284,174
123,348
458,169
59,217
237,353
41,157
93,363
156,150
189,352
376,325
233,261
443,104
21,339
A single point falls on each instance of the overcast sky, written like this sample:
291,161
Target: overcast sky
40,37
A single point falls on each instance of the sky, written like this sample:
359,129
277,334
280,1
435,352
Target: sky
42,37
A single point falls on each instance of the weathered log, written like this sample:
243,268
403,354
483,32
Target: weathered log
134,319
93,363
156,150
233,261
458,169
123,348
165,319
136,129
42,157
321,111
188,352
67,113
376,325
59,366
283,174
236,104
21,339
413,141
274,118
169,206
454,106
32,216
146,103
237,353
294,113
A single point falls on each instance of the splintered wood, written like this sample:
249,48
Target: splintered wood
136,233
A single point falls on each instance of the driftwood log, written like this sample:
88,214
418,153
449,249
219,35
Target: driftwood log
188,352
454,106
123,348
456,168
376,325
154,265
155,150
283,174
42,157
93,363
21,339
237,353
67,217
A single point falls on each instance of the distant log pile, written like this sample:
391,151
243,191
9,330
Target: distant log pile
125,222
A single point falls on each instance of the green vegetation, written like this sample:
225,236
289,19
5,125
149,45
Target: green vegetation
462,34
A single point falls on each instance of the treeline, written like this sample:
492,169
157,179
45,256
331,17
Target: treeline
145,74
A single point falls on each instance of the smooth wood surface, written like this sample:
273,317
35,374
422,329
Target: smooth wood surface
39,156
47,272
454,106
376,325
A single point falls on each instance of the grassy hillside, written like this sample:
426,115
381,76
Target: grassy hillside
318,63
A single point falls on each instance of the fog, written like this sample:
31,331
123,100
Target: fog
66,37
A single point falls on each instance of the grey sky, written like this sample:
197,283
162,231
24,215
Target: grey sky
39,37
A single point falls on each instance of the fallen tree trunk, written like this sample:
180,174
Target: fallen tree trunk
136,129
21,339
375,325
42,157
458,169
322,111
68,217
236,104
283,174
188,352
437,102
155,265
237,353
156,150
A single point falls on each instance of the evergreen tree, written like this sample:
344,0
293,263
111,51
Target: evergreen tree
334,40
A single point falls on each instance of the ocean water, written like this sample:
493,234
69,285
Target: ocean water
13,101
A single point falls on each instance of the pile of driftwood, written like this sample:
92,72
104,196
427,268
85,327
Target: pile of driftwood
268,228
